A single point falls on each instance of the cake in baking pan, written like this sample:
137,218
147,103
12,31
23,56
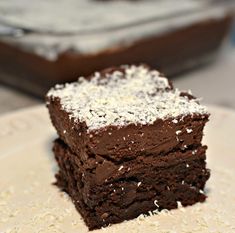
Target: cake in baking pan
45,44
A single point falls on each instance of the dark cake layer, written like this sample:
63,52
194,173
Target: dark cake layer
104,197
127,141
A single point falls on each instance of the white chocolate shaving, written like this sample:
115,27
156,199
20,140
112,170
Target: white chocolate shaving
138,96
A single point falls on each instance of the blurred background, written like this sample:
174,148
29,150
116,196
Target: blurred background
46,42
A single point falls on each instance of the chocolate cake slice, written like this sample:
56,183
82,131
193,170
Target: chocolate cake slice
129,143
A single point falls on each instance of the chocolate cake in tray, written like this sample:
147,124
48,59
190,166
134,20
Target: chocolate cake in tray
50,43
129,143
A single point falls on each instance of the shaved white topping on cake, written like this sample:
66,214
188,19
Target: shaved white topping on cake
120,168
178,132
133,95
189,130
175,121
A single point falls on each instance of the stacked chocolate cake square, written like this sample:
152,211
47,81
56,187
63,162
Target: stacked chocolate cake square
129,143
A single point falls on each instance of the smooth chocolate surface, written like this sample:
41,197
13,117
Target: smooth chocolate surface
128,141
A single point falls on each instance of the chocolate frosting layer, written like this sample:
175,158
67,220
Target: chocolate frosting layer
124,112
129,141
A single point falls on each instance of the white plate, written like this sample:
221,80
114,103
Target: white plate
29,203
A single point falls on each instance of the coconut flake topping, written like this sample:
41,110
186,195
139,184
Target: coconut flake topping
133,95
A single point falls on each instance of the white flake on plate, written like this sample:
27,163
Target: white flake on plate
187,165
180,207
165,212
150,213
138,184
156,224
139,96
141,217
